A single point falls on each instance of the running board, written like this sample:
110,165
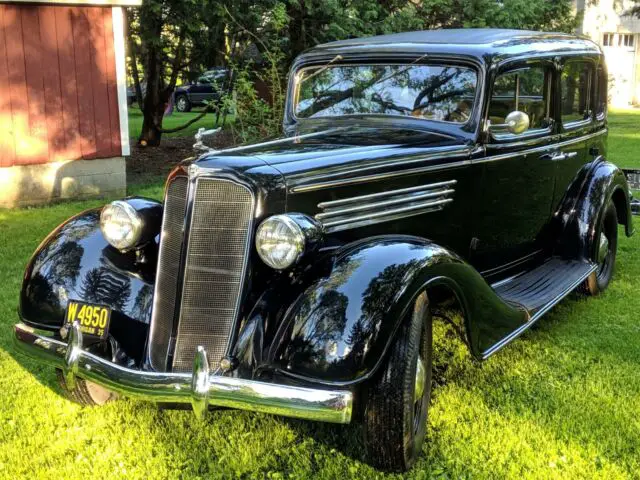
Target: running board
539,290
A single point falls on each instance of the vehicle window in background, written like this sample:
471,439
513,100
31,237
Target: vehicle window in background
526,90
575,87
433,92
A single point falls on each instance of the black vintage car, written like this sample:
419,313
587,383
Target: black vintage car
207,88
458,169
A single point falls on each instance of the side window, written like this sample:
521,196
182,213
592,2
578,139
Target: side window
526,90
575,86
602,95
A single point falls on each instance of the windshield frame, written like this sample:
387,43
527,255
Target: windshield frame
436,61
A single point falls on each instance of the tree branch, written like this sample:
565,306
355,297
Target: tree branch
207,109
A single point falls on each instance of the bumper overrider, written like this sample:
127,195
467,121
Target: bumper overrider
200,388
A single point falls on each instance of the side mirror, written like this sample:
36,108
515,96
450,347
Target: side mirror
516,122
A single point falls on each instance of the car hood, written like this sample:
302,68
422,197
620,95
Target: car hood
335,150
335,142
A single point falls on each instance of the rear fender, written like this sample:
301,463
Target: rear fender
340,328
583,203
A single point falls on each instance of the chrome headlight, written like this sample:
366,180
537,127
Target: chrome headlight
281,240
121,225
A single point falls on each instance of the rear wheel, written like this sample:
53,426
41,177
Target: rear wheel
397,401
606,247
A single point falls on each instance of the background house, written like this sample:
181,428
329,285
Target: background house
605,22
63,102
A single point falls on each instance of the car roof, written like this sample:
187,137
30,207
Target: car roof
481,43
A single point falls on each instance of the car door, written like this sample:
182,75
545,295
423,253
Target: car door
201,90
517,174
576,118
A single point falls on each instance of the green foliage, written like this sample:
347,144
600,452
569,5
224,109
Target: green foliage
255,117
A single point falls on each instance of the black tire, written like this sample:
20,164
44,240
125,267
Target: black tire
86,393
605,250
395,422
183,104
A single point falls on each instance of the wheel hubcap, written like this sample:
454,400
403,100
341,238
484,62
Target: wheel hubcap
603,248
421,380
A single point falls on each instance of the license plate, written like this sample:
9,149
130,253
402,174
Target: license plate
93,319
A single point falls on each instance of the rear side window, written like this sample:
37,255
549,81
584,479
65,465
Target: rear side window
526,90
575,90
602,95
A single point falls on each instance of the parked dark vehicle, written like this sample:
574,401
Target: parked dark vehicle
131,93
299,276
209,87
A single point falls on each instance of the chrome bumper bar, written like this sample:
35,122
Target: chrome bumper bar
200,388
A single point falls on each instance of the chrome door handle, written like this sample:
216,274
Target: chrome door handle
558,157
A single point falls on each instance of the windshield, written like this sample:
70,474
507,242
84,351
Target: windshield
434,92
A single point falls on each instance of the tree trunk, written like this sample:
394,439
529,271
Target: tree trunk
150,134
296,13
153,104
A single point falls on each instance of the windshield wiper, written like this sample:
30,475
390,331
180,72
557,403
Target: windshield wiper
321,69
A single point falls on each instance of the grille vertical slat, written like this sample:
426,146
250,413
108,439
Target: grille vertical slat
168,271
216,258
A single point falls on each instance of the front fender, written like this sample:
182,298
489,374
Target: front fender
583,204
340,328
75,262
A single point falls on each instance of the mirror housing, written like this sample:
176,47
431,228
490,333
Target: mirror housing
517,122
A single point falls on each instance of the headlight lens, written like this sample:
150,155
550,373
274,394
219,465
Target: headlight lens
280,241
121,225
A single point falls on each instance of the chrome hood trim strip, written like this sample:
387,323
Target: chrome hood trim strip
380,207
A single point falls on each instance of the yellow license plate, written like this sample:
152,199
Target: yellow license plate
93,319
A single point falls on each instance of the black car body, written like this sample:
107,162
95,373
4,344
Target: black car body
209,87
400,208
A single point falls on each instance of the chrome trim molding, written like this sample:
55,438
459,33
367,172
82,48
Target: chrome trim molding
538,149
360,211
165,290
199,387
310,184
306,183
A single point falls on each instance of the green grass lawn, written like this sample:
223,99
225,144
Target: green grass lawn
561,402
174,120
624,138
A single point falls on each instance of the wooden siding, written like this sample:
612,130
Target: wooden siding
58,92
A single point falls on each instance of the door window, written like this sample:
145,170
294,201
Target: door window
526,90
575,88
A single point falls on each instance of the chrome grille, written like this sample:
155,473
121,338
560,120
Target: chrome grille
216,259
168,271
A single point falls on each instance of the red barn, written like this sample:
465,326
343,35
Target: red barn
63,100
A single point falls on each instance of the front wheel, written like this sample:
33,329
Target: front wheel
397,401
86,393
606,246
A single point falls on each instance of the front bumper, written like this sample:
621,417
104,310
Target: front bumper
199,388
